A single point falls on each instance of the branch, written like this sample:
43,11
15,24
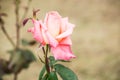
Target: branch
17,3
26,10
5,32
15,76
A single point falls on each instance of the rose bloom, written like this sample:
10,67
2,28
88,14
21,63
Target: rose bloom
56,32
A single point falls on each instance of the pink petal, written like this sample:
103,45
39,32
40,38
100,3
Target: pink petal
68,31
55,13
64,24
42,25
36,31
52,41
31,30
53,23
62,52
66,41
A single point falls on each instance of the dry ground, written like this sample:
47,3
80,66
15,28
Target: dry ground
95,37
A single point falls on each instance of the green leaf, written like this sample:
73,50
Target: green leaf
42,73
45,77
63,61
65,73
24,42
11,51
52,76
16,61
20,59
52,60
28,43
29,55
1,78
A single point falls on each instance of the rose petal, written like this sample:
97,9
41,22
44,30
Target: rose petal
66,41
63,27
68,31
53,23
62,52
36,31
52,41
31,30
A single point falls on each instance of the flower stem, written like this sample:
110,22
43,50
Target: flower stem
46,58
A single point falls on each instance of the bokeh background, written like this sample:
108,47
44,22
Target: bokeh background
95,37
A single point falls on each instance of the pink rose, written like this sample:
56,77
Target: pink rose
55,31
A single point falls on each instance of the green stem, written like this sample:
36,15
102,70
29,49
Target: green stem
43,50
41,60
46,58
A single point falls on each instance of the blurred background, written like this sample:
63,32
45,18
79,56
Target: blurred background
95,37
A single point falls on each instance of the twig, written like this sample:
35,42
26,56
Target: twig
43,50
6,34
18,21
26,10
41,59
17,3
15,76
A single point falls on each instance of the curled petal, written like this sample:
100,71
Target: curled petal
25,21
62,52
68,32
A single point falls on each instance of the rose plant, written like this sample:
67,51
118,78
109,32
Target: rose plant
19,57
53,34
